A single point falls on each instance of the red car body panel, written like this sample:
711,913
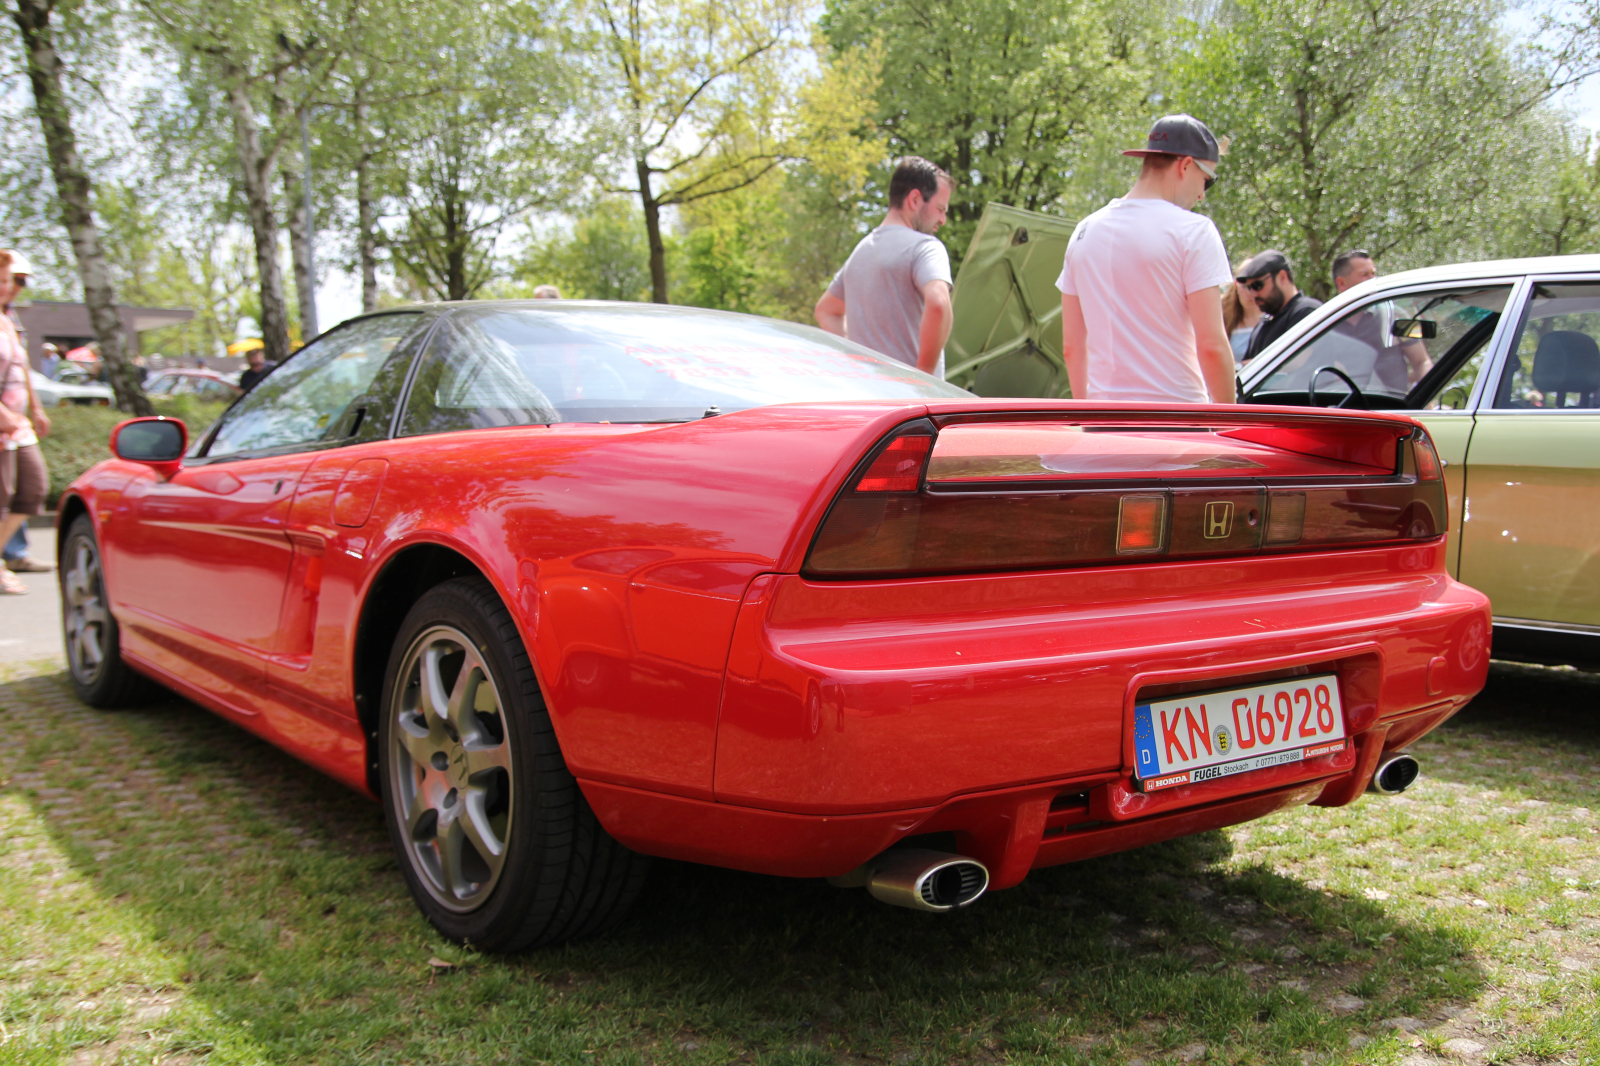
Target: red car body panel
716,705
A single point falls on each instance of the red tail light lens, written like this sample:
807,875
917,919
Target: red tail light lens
1428,467
907,515
898,467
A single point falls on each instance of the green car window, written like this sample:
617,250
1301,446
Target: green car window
1556,363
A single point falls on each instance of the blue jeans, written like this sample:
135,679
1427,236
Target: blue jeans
17,546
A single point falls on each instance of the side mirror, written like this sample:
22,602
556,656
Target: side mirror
158,443
1415,329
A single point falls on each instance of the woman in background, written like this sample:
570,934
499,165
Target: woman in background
1240,316
23,478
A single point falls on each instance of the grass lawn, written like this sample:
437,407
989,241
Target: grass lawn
173,891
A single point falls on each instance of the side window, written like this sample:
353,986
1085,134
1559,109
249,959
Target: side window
1420,350
471,379
302,400
1556,363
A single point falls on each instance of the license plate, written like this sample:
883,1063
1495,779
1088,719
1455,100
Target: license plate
1206,735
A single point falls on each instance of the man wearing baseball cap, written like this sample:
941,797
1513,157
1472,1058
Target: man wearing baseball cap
1270,277
1141,299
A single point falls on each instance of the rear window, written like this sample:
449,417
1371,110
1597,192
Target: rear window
518,365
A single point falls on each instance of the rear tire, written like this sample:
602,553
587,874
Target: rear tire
89,631
495,840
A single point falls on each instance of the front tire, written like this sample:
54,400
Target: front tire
494,838
89,631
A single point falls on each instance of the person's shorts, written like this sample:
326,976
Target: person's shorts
23,480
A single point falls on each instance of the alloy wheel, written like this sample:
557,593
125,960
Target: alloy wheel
451,768
86,619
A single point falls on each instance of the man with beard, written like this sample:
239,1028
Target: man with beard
893,293
1271,278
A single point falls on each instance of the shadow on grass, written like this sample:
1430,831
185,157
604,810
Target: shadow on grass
275,887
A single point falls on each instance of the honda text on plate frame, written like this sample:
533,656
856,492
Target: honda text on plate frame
1206,735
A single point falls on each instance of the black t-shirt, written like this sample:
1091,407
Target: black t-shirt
1275,326
250,376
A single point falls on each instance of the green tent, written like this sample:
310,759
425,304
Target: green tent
1007,336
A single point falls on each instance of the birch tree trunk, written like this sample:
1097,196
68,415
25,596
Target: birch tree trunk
76,196
652,229
257,167
300,251
366,215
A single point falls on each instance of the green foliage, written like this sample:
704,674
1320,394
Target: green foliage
197,264
1393,125
603,257
1558,212
702,89
488,144
1020,101
772,248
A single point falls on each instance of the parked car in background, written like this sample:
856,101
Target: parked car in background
206,384
566,584
74,389
1501,361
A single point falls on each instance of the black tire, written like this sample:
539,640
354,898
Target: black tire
487,773
89,631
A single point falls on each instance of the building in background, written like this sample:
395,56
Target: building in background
67,325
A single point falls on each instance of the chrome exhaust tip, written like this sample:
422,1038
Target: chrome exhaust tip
1395,774
919,879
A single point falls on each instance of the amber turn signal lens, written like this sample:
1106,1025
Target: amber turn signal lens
898,468
1141,523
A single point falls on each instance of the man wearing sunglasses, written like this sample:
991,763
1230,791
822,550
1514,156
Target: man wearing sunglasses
1141,300
1271,278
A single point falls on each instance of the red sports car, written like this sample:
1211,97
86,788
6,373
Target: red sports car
566,585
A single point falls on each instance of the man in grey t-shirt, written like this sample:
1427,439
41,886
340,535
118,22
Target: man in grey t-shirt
893,293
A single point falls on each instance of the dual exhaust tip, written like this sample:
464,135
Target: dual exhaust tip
1396,772
919,879
937,881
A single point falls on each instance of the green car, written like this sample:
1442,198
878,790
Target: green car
1500,360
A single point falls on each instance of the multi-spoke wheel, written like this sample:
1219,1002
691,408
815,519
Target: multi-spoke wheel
495,839
88,629
452,772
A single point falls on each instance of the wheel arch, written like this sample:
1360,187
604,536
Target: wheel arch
403,580
69,508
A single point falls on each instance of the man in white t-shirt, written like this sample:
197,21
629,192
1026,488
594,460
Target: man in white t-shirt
893,293
1141,298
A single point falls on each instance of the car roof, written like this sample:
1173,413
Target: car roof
1544,264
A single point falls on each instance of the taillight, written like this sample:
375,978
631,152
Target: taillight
1427,460
898,467
1083,495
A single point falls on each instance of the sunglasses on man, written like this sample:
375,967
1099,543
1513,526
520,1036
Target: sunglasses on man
1209,170
1256,284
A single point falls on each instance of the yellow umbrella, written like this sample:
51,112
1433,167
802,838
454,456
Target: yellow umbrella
249,344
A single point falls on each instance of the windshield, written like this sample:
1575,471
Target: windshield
513,364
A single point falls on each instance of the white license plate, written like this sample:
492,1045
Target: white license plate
1206,735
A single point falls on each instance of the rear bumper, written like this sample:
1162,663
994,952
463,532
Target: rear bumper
1011,831
1000,707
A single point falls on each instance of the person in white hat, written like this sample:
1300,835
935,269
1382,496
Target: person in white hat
1141,296
15,551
